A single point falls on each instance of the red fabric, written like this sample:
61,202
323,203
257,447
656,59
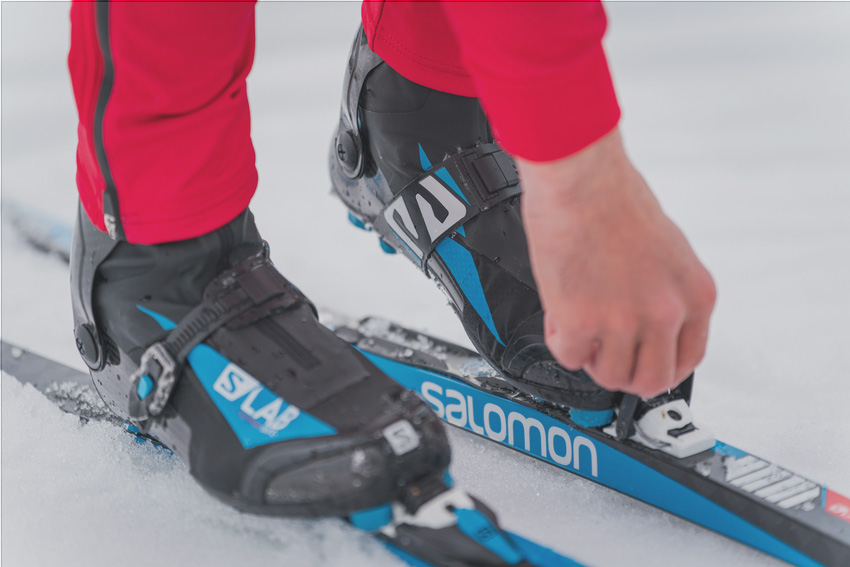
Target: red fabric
176,128
538,67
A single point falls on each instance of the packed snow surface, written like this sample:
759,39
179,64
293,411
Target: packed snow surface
736,113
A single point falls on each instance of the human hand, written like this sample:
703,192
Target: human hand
624,295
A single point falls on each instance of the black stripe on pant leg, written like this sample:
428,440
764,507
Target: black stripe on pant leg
111,212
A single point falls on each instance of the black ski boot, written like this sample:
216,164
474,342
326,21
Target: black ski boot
421,168
202,345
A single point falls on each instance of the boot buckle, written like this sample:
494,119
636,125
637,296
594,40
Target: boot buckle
154,379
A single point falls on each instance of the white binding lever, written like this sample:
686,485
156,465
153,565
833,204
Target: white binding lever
436,514
670,428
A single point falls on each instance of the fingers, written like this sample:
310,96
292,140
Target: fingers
573,349
643,359
614,364
641,362
691,347
655,370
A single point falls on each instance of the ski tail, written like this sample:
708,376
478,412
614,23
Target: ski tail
452,528
40,230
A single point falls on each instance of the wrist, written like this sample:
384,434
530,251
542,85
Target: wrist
600,168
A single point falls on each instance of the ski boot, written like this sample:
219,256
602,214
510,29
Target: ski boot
202,346
420,167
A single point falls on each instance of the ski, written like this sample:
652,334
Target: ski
39,230
71,390
723,488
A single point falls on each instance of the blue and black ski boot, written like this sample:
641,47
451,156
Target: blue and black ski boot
202,346
421,168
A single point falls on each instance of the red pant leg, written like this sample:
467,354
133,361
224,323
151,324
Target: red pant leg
164,133
538,67
416,39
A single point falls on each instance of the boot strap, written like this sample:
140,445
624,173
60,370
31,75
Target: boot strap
438,202
244,294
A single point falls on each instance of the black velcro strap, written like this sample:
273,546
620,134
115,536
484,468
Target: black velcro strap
253,289
490,175
448,195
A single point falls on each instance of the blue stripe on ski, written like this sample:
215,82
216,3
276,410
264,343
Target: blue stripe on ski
536,554
557,443
729,450
49,234
478,527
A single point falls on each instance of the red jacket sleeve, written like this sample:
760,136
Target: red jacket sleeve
540,72
538,67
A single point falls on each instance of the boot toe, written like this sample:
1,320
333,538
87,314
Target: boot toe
530,366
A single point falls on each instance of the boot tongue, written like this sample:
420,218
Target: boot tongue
410,127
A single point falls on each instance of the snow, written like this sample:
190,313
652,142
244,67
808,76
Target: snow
735,112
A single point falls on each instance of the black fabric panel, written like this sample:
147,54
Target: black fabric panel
394,126
511,301
498,234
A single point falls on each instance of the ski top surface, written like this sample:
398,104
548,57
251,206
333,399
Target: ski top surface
725,489
72,391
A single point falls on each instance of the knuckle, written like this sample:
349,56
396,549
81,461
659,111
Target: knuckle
666,314
706,293
582,323
606,379
623,322
568,357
